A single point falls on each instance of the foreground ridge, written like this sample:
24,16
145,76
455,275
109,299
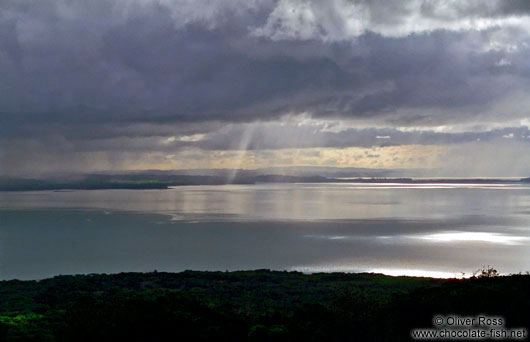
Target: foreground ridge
248,305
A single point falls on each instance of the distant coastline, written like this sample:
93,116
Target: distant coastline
157,181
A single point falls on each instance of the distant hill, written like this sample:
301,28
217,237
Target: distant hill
157,179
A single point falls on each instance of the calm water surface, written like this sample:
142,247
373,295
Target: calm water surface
428,229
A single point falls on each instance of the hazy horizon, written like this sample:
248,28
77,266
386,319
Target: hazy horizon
298,170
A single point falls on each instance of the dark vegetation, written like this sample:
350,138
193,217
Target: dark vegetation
249,306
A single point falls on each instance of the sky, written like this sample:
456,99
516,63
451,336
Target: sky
158,84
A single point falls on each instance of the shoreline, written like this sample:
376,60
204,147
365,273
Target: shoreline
150,184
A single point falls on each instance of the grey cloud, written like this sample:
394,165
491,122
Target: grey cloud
140,66
497,8
337,20
275,136
117,75
279,136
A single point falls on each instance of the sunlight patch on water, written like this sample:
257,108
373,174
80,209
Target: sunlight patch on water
395,272
442,237
495,238
416,273
329,237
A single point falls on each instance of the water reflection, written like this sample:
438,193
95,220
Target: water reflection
387,271
427,229
453,237
417,273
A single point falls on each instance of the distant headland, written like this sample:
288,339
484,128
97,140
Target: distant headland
156,179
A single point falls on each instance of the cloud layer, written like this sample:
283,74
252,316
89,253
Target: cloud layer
107,77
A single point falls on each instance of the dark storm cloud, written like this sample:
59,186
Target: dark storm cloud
90,62
78,73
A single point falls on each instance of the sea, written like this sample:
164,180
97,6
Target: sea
432,230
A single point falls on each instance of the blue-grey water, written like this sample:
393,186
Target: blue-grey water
429,229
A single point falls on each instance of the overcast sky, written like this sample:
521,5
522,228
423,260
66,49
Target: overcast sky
144,84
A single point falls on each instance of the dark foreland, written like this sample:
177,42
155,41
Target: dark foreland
250,306
156,179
